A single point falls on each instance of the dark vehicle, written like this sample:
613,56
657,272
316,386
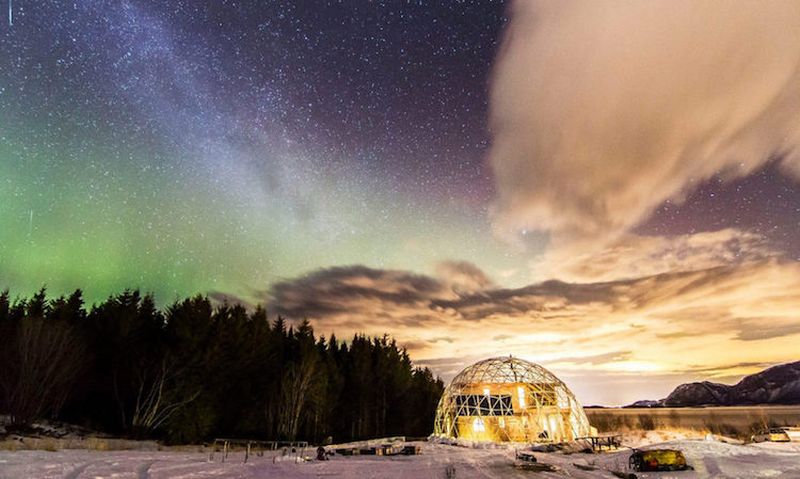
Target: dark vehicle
776,434
658,460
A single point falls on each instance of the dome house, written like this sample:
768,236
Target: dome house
509,400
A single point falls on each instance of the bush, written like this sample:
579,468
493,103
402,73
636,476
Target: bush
647,422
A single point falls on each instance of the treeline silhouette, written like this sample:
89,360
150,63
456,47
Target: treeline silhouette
196,370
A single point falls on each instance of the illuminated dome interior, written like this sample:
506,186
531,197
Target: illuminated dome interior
509,400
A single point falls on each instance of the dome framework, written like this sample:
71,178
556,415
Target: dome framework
507,399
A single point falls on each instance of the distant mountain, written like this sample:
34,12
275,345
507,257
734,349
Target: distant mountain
698,394
647,403
776,385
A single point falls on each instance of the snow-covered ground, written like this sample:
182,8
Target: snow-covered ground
710,459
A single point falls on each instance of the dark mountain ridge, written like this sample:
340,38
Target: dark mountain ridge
775,385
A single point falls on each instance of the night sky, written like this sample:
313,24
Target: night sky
766,202
181,147
277,151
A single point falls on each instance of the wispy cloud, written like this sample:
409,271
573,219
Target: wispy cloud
663,324
632,256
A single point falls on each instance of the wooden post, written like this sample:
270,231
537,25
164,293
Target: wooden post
247,452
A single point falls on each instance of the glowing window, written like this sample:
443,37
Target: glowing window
501,422
554,423
521,396
477,425
482,405
486,391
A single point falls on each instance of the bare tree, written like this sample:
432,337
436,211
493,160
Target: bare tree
43,359
295,387
156,400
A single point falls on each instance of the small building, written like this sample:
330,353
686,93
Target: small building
509,400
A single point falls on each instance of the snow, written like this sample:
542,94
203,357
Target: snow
710,458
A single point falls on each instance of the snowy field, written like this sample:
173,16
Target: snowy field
710,459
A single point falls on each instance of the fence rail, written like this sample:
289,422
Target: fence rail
252,446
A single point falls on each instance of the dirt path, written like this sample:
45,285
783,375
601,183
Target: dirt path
144,470
711,466
73,474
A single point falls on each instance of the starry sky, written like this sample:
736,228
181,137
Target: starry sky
418,168
189,146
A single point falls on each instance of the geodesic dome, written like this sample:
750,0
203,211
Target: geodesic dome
509,399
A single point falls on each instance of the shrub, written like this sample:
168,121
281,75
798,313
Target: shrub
647,422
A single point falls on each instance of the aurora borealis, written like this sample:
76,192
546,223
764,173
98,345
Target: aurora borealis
402,167
181,148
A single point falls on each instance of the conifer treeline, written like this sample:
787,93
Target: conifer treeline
195,371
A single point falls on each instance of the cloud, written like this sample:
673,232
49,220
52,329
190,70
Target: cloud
600,111
220,298
663,324
596,359
359,296
462,277
632,256
725,369
757,329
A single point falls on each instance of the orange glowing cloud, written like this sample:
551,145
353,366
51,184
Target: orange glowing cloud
695,323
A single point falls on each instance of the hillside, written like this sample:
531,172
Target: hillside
776,385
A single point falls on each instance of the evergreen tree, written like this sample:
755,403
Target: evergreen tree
197,371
